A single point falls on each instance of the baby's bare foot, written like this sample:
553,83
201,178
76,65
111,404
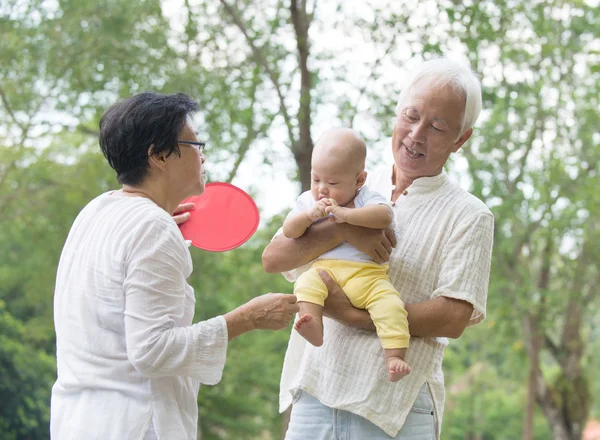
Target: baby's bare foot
310,329
397,369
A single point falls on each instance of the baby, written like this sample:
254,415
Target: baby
337,190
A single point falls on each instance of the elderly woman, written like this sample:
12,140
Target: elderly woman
440,265
130,362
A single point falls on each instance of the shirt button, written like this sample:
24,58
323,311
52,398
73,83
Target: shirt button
405,193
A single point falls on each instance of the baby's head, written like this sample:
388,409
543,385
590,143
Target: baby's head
338,165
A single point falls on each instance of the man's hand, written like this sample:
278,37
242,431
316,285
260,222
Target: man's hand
338,306
180,215
376,243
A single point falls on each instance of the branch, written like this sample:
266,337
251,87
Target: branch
10,111
370,78
529,145
89,131
6,172
554,350
587,298
571,340
251,134
262,61
540,387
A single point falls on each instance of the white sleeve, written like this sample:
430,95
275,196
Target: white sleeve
155,289
304,202
466,262
367,197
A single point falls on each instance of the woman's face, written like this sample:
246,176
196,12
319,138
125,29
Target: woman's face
187,170
427,129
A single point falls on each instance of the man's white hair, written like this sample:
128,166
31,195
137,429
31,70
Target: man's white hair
445,72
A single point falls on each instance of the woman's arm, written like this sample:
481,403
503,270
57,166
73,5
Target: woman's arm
155,289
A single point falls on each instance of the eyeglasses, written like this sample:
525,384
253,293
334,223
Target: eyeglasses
197,145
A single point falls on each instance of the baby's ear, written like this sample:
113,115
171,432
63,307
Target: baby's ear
361,179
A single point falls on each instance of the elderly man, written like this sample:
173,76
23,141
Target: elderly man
440,265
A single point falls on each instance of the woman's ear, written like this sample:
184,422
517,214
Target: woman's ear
158,160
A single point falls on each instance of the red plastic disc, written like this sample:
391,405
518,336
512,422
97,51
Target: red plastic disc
225,217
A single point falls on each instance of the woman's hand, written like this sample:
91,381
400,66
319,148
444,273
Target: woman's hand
181,215
272,311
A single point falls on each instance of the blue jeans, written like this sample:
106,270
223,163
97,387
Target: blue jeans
311,420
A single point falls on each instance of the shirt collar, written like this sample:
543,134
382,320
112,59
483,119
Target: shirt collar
423,185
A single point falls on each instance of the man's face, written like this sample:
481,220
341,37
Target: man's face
427,129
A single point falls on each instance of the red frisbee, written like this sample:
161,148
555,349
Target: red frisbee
225,217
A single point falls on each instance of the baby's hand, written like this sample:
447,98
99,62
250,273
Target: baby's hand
318,211
338,212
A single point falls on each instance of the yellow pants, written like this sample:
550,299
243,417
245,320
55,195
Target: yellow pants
368,287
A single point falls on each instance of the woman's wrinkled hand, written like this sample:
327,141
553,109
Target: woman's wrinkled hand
272,311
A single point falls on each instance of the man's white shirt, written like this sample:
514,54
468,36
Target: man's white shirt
444,248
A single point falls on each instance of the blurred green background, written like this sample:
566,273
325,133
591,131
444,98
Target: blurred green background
270,75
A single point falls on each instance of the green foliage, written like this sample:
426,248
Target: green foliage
533,158
245,403
27,376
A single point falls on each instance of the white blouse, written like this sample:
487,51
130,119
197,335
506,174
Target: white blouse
444,248
128,358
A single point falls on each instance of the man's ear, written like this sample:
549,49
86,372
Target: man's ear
361,179
461,140
159,160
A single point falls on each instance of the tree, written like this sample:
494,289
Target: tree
536,163
27,375
269,75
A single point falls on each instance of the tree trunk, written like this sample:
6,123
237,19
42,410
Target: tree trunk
530,407
302,155
302,149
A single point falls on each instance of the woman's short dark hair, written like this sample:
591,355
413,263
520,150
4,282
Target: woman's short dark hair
130,127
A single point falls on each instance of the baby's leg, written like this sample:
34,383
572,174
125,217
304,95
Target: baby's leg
310,323
394,361
389,316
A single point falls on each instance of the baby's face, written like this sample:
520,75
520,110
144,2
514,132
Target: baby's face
335,179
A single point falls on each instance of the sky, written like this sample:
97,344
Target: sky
275,190
274,186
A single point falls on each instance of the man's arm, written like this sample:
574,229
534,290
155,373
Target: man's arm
442,317
284,254
439,317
